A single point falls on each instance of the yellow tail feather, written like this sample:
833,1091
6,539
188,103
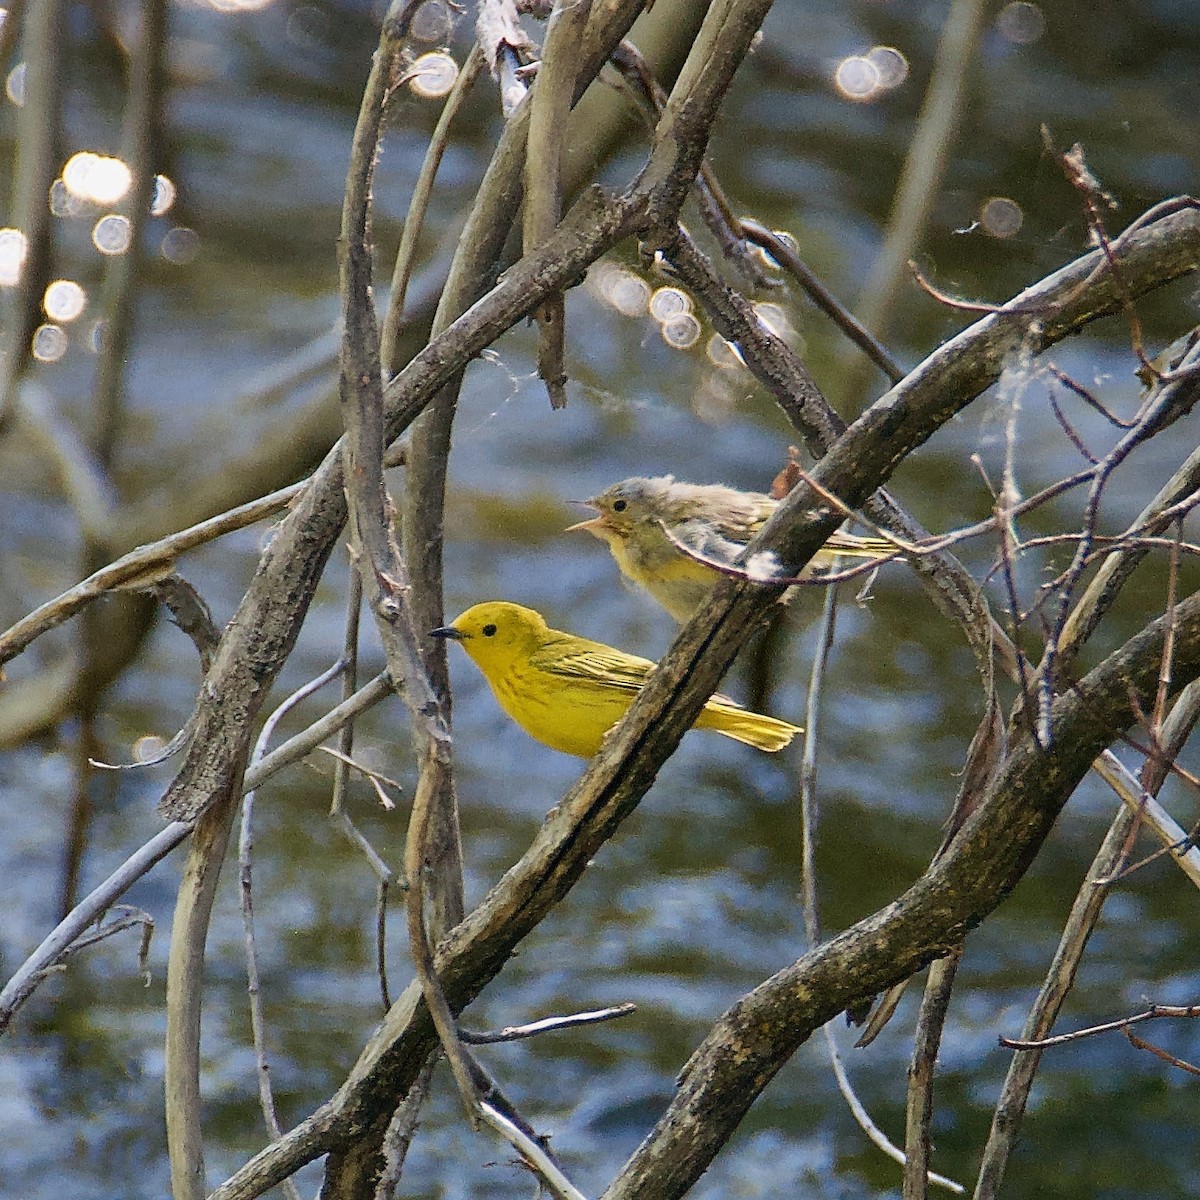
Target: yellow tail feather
764,733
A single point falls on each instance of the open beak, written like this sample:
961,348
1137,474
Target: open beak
593,526
447,631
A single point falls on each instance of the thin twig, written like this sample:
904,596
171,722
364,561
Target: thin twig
92,907
514,1033
302,744
808,768
1087,397
1164,674
1080,177
919,1115
808,886
349,685
245,852
782,251
1172,835
138,567
414,218
377,779
338,815
958,304
1160,410
547,1170
1173,500
1159,1052
1071,432
1153,1013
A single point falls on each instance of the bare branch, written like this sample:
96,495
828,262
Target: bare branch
1153,1013
514,1033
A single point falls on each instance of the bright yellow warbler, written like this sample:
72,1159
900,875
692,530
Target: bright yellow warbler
568,692
714,521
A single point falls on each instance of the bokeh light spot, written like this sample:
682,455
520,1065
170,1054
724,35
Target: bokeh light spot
891,65
619,288
681,332
180,245
14,85
62,203
49,343
668,303
1001,217
64,300
722,353
148,747
13,248
857,78
164,196
775,319
432,22
98,178
112,234
432,75
1021,22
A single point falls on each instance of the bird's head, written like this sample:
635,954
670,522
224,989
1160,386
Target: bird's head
495,632
624,506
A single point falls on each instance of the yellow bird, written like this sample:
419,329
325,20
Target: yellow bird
713,521
568,692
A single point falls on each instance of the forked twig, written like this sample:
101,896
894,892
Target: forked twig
1153,1013
245,850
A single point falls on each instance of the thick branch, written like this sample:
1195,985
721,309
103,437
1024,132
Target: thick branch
617,777
757,1036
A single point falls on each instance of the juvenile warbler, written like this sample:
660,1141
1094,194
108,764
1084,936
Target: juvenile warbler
568,692
711,520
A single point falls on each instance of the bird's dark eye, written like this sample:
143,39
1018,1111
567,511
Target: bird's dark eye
488,631
620,505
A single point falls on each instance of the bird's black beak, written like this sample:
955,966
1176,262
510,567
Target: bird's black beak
447,631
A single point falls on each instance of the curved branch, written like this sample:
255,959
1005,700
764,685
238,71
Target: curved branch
936,911
756,1037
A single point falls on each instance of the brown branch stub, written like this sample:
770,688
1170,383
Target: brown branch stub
969,306
1141,1044
514,1033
